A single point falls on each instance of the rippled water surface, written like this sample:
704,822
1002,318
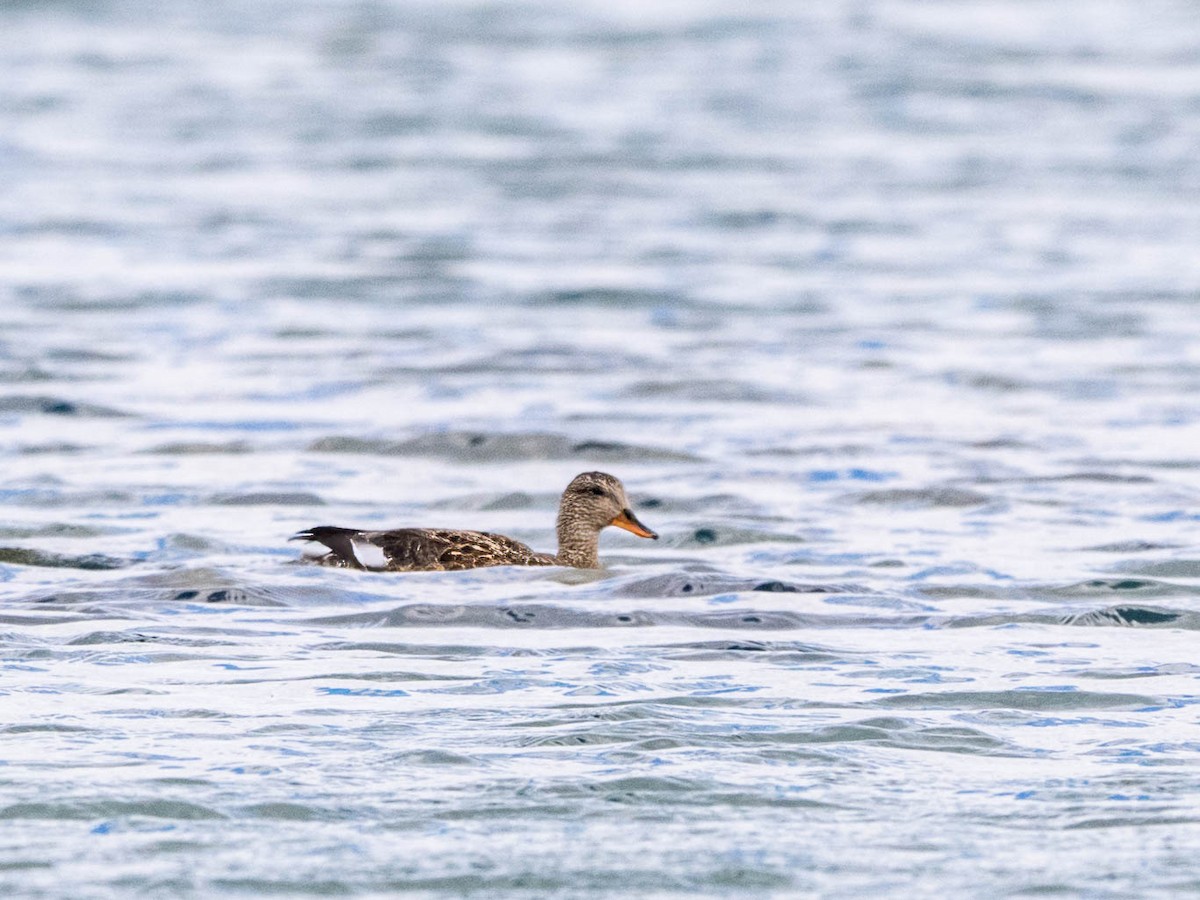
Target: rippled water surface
885,313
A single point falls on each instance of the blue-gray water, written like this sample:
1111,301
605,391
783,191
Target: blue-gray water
886,314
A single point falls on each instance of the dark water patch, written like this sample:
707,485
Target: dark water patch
302,333
918,498
707,584
73,227
126,656
750,800
711,391
477,446
290,887
108,637
901,733
506,616
232,595
593,737
190,543
635,789
1094,477
193,448
141,637
423,651
214,585
835,451
748,619
56,406
1132,546
571,715
742,879
628,881
292,812
49,497
611,451
44,619
1129,615
194,586
435,758
1031,700
1139,587
723,535
487,502
384,883
24,556
292,729
1086,477
52,448
973,592
1108,616
608,297
543,616
1139,671
1164,568
756,219
708,504
1003,443
541,359
267,498
1130,821
44,728
66,300
715,701
57,529
1183,464
994,382
142,713
1101,478
771,651
341,289
25,374
953,740
87,355
110,809
22,865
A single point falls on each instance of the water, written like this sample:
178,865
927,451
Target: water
885,313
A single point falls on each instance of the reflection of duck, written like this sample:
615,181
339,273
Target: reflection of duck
591,502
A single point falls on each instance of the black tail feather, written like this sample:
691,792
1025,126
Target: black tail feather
337,539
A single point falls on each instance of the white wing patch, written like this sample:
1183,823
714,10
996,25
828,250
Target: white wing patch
369,556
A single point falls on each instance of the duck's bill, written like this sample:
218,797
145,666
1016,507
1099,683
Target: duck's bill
629,522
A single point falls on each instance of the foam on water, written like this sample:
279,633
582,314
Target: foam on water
885,314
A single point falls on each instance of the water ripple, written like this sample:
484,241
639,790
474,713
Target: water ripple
885,316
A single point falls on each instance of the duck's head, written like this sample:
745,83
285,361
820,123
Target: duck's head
595,500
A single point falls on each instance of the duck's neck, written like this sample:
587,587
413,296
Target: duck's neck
578,545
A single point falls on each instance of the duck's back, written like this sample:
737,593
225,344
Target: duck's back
446,549
424,549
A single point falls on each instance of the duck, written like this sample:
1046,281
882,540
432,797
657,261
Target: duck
591,502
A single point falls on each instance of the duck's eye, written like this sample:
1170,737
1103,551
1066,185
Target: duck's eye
596,491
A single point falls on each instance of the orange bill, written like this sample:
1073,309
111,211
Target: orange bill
629,522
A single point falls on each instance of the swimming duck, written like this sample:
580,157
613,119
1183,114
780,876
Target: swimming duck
591,502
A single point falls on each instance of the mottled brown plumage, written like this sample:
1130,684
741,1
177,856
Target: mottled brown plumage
591,502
